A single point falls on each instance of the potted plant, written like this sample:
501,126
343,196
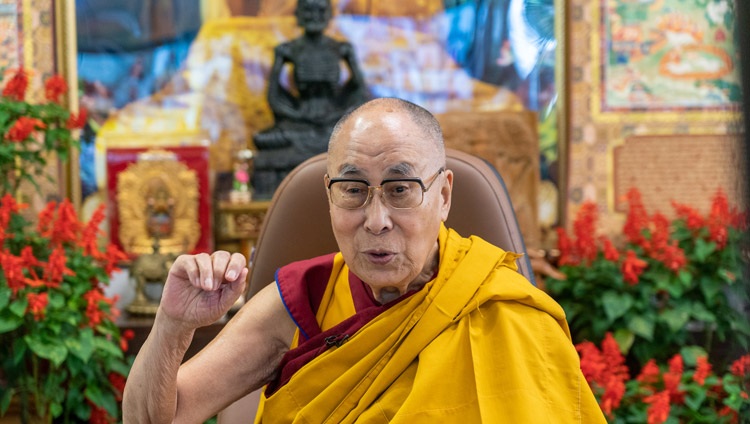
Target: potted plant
61,354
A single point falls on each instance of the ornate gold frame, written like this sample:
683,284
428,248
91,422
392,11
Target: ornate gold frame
66,49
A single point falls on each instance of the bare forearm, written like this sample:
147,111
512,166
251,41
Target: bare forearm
151,390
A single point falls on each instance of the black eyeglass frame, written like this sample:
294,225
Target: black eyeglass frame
371,189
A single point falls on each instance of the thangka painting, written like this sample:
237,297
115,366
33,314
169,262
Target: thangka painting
11,34
668,55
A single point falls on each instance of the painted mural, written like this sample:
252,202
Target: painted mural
660,55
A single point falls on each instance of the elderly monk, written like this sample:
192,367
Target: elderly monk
410,322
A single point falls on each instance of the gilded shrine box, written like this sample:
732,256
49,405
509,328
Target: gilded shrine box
162,193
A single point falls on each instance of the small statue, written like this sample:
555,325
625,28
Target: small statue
149,271
303,121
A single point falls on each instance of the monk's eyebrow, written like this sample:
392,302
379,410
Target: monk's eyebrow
401,169
349,170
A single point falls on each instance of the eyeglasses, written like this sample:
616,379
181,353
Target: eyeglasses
398,193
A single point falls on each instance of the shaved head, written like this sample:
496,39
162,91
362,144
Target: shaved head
417,114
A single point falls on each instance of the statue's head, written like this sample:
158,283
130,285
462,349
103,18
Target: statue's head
313,15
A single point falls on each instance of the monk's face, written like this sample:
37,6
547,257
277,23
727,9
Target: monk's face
392,250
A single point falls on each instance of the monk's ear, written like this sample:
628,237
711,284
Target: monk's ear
446,190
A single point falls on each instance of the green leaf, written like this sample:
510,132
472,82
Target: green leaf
685,277
9,323
616,305
83,347
694,399
47,348
108,346
699,312
56,299
642,326
703,249
690,354
675,318
7,395
19,307
625,339
710,287
5,293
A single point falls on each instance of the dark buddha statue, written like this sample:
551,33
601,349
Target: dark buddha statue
305,114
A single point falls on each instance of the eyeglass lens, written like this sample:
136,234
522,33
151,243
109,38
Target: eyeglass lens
396,194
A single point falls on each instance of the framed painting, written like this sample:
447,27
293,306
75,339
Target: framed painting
658,57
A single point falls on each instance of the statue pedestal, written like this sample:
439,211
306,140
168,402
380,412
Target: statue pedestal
238,225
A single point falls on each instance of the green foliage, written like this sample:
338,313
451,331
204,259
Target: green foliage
51,129
671,284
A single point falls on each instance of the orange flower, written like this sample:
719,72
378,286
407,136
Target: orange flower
37,303
54,87
23,127
16,86
632,267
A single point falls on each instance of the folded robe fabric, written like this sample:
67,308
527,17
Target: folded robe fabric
478,343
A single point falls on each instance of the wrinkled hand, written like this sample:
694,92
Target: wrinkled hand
201,288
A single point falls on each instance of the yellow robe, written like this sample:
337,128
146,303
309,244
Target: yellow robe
477,344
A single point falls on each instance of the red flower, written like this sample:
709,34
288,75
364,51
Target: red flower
610,251
56,268
8,206
673,377
12,268
584,229
90,232
16,86
565,246
118,383
693,219
637,218
99,415
112,257
37,303
593,365
658,411
632,267
605,369
649,373
126,336
65,227
702,370
741,367
77,121
94,313
23,127
54,87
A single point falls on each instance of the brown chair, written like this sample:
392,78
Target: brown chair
297,226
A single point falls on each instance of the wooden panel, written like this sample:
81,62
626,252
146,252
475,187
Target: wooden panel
686,169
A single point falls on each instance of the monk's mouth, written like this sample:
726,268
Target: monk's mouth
380,258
